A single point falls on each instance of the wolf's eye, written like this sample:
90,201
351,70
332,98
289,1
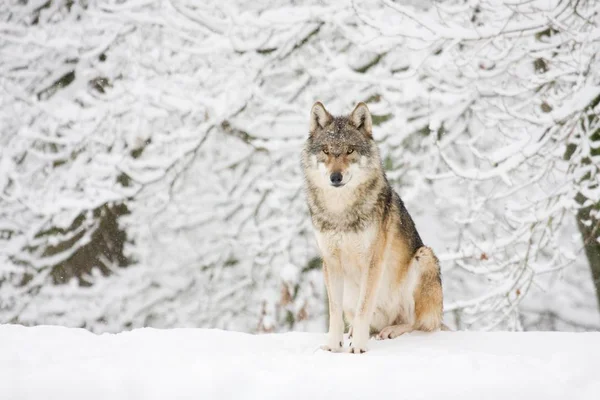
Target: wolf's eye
350,151
325,151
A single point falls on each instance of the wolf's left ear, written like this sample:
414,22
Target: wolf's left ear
361,119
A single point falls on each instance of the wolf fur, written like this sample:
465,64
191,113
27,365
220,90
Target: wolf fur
378,273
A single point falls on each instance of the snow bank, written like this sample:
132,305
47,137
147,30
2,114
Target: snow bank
59,363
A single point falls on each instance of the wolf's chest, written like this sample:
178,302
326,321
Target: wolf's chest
349,247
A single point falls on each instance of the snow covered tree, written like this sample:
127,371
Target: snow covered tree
164,137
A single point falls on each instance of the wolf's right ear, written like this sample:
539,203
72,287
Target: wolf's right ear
319,117
361,119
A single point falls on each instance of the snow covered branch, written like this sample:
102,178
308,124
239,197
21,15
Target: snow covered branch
149,152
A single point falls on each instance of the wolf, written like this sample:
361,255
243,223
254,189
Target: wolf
378,273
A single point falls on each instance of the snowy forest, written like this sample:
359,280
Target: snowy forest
150,156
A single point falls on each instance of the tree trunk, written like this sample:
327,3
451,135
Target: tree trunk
590,235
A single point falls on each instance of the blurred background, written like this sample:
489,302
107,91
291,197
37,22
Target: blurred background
150,156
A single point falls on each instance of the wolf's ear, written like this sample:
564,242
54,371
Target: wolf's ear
319,117
361,119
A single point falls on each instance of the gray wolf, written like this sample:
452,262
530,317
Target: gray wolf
378,273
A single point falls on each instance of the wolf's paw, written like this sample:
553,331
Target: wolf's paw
357,349
334,343
360,338
393,331
350,333
424,253
334,349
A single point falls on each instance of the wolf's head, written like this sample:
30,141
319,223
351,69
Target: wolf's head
340,150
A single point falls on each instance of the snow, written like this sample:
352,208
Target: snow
47,362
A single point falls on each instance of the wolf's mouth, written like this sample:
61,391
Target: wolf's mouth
337,184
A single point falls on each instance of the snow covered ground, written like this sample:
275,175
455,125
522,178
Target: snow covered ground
47,362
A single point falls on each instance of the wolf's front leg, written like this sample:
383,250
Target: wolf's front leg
334,280
370,279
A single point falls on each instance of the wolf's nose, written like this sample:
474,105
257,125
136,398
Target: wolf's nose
336,178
